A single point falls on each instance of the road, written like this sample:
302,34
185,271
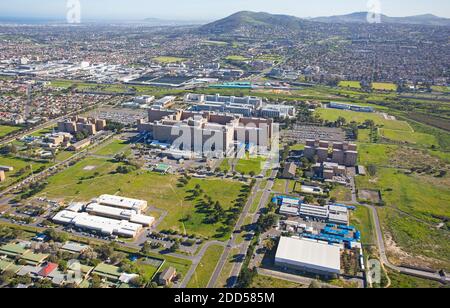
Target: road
196,260
382,247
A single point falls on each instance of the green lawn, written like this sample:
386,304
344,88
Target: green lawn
247,165
409,137
364,135
112,148
297,147
206,267
19,165
359,117
384,86
377,154
362,219
161,191
424,198
167,60
236,58
267,282
442,89
350,84
5,129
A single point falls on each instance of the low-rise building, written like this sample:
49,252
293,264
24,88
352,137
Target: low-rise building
309,256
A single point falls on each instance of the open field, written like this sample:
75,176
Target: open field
377,154
409,137
93,177
415,206
236,58
166,60
112,148
341,193
442,89
206,267
361,218
247,165
22,168
364,135
350,84
267,282
5,130
359,117
403,281
384,86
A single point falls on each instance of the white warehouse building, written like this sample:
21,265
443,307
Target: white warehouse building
103,225
121,202
117,213
309,256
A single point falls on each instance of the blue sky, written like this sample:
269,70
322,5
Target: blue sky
213,9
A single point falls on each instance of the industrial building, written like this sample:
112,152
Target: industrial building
103,225
108,215
309,256
341,153
356,108
206,133
117,213
121,202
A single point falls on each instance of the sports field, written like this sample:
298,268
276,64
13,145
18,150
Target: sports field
350,84
167,60
384,86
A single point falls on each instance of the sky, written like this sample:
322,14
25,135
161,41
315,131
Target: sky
213,9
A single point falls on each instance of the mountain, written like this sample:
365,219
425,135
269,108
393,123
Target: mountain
256,20
361,17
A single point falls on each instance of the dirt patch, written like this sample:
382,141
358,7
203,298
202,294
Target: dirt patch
374,196
89,168
401,258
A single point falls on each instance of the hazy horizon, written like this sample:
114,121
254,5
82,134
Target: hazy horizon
206,10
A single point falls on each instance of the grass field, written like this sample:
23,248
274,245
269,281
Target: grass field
341,193
18,164
247,165
167,60
236,58
361,218
224,275
206,267
442,89
384,86
161,191
112,148
377,154
409,137
359,117
350,84
364,135
5,130
267,282
413,204
402,281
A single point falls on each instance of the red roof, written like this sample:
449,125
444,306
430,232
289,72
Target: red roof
48,269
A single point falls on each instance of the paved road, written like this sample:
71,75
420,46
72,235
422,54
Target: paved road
196,260
382,248
237,267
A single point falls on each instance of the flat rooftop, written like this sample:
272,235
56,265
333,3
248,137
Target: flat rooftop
309,254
